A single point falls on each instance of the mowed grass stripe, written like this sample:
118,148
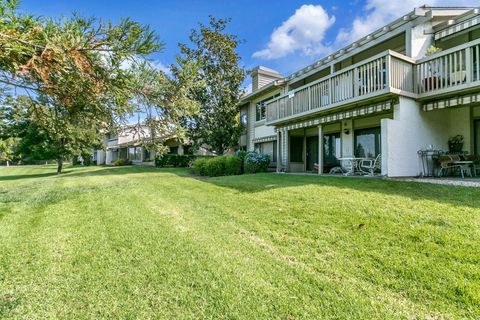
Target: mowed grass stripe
143,242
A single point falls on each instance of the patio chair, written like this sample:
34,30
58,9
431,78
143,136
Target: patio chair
447,163
336,170
371,166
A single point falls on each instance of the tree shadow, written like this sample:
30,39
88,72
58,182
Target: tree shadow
27,176
454,195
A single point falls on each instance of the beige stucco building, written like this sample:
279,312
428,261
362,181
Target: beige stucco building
384,94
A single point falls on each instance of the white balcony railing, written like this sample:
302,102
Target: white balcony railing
363,80
448,71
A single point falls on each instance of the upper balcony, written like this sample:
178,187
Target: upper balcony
385,74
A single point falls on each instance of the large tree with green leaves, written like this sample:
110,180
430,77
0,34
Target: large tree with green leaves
73,68
213,63
161,102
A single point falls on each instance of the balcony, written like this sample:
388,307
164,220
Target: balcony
450,71
386,74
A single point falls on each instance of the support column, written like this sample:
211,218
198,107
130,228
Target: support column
279,153
320,149
286,150
304,155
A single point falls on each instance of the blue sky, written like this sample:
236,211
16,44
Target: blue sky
284,35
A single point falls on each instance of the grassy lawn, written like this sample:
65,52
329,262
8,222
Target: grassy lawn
137,242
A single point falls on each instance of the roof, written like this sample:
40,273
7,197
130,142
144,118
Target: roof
424,11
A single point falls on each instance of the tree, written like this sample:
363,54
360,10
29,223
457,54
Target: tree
74,68
213,63
162,102
7,149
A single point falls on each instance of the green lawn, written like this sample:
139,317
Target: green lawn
138,242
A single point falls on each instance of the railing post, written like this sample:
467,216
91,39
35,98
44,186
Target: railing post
309,98
468,64
355,82
330,92
388,67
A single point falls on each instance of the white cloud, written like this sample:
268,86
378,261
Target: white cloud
378,13
304,31
160,66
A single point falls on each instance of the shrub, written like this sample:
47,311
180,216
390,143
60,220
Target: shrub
233,165
200,165
175,160
122,162
215,167
256,162
242,154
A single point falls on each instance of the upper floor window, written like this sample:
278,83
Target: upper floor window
243,119
261,108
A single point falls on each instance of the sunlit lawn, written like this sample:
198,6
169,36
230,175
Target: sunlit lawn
142,243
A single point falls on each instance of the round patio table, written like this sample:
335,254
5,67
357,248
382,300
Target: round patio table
353,165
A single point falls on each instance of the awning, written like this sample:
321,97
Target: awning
457,27
264,139
452,102
334,117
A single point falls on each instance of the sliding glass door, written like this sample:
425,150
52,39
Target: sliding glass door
367,142
477,137
331,150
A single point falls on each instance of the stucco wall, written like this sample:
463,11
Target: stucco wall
412,129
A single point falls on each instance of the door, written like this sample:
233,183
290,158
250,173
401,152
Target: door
312,152
477,137
331,151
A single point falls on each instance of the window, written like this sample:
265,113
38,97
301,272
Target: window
261,108
367,143
135,153
260,111
258,147
243,119
296,149
173,150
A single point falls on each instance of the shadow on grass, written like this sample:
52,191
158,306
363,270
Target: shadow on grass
460,196
27,176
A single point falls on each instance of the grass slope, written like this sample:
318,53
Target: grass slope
138,242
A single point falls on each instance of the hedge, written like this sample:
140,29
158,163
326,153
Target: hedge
175,160
218,166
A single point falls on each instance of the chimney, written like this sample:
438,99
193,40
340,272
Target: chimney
261,76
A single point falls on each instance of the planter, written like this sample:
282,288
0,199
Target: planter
455,147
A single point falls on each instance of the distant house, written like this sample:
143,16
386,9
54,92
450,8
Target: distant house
128,145
385,94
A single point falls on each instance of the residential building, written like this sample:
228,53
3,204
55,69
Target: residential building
385,94
128,145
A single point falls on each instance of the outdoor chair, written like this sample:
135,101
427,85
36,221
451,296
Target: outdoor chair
371,166
336,170
447,163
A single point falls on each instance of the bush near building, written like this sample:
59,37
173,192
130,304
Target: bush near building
250,162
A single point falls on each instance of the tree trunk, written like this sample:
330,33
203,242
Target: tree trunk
8,163
59,165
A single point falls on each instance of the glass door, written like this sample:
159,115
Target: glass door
331,151
312,152
477,137
367,143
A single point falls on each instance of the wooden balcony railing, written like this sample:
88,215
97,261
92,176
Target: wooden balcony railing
449,70
446,72
372,77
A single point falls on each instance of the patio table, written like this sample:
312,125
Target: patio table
354,165
470,165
